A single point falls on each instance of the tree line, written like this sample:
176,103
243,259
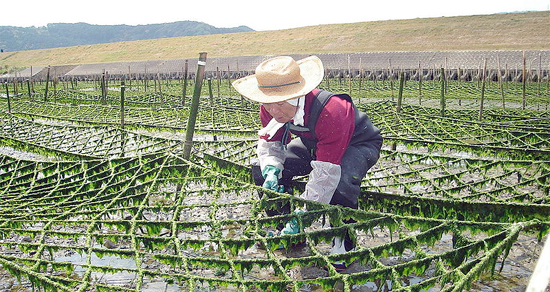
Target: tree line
56,35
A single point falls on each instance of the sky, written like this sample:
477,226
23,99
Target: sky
256,14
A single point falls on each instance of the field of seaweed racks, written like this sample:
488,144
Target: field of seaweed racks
97,195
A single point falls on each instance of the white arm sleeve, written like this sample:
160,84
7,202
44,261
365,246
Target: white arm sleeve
271,153
323,180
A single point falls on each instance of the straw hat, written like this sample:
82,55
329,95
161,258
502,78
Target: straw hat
281,78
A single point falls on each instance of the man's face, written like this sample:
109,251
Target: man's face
282,111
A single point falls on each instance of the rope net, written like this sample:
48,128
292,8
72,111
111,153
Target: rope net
111,207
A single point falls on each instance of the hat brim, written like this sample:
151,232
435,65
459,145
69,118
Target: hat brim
311,69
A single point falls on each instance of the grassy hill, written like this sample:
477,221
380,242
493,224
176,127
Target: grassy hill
508,31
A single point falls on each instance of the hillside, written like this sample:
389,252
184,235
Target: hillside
510,31
56,35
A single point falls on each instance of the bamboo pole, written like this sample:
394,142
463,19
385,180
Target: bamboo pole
445,75
539,76
47,82
122,89
442,98
390,74
349,75
184,89
399,102
32,83
400,95
103,89
54,82
229,78
159,84
194,106
391,87
210,93
524,82
482,90
361,73
15,85
219,80
420,77
507,74
500,84
146,79
8,95
29,89
129,78
123,133
106,87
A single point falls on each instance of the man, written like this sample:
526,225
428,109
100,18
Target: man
336,144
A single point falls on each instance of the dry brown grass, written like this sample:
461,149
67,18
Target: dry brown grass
510,31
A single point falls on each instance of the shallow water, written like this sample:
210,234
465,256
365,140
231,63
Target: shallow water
514,275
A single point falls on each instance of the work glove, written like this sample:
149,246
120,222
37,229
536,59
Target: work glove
292,226
271,176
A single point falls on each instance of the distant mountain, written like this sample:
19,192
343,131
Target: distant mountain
56,35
